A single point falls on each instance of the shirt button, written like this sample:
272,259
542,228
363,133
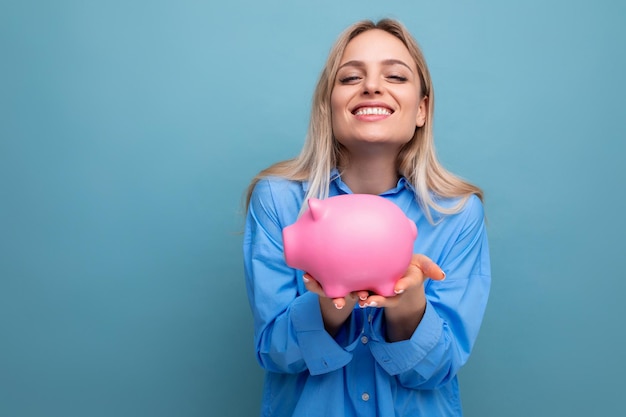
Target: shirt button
365,396
364,339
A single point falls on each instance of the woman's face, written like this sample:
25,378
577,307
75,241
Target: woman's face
376,97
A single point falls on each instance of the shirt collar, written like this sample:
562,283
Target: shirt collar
334,175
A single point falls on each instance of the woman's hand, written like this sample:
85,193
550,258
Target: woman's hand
404,311
420,268
312,285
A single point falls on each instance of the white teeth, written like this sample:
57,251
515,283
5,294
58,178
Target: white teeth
372,110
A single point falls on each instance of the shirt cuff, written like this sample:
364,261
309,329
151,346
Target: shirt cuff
398,357
320,351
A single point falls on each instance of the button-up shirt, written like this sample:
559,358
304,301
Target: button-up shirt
358,372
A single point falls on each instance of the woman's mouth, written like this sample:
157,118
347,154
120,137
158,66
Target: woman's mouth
367,111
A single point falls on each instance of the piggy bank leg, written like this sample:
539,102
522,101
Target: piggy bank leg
336,291
386,290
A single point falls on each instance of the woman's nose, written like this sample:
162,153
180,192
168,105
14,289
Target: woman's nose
372,85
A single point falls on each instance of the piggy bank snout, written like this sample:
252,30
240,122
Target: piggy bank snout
291,246
296,250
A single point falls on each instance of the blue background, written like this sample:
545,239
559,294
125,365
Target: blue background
130,129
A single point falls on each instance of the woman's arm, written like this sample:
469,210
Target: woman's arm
290,333
424,339
335,311
404,312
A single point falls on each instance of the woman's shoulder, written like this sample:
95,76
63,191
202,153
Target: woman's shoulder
279,195
277,186
473,206
469,208
471,215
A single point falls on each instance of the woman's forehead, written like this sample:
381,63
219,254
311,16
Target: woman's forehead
376,46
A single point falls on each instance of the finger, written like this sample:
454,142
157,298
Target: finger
373,301
414,276
339,303
312,285
428,267
362,295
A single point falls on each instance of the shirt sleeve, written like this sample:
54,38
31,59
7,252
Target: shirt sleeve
289,331
442,342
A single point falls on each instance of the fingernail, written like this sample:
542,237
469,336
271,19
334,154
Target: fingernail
372,304
338,307
305,279
398,291
444,275
363,297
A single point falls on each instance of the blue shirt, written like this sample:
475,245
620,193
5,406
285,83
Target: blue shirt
357,372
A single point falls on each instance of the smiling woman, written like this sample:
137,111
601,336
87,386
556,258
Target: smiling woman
377,96
366,354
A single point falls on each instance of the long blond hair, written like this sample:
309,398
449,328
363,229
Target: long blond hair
417,160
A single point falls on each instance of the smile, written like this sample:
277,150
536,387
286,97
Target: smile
366,111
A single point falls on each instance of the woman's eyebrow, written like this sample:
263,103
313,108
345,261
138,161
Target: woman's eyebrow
386,62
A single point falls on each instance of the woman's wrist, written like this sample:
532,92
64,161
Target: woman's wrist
402,319
334,317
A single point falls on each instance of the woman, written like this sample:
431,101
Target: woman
365,354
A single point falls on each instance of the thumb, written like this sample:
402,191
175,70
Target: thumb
428,267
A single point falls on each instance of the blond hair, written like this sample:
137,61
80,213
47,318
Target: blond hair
417,160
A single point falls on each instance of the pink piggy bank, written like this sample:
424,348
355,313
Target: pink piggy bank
351,242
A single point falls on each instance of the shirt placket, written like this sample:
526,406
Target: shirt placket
364,371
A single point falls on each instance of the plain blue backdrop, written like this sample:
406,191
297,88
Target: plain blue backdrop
129,131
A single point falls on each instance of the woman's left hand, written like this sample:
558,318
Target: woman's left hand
410,288
404,311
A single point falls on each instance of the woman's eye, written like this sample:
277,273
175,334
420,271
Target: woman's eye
398,78
349,79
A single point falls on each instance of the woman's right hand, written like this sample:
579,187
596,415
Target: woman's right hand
312,285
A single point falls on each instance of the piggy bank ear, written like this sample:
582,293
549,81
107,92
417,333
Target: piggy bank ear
316,208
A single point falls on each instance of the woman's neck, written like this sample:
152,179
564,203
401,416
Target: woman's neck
370,174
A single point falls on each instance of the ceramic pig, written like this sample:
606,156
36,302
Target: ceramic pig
351,242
